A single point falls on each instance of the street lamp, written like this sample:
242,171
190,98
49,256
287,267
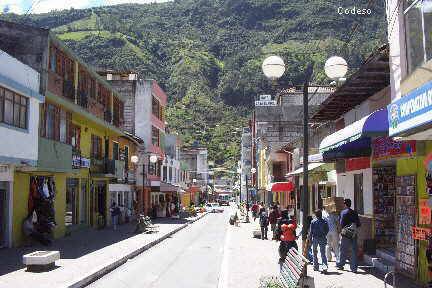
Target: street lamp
239,171
135,159
194,181
335,68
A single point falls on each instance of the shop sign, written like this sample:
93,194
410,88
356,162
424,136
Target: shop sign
411,111
425,212
353,164
385,147
419,233
80,162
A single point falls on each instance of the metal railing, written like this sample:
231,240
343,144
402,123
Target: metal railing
393,276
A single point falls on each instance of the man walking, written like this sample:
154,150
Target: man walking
264,222
318,232
333,235
273,216
349,222
115,213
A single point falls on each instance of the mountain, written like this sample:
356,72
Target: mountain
207,54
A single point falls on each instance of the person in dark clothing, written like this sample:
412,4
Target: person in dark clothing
318,233
284,244
349,222
308,243
264,222
273,216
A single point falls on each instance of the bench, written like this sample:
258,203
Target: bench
293,270
39,261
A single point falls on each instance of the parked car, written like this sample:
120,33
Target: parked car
213,208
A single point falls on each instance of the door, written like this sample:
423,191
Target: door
358,193
3,214
83,202
71,207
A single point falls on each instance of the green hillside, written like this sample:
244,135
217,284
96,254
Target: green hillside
207,54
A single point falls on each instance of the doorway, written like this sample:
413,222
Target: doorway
83,203
71,209
4,211
358,193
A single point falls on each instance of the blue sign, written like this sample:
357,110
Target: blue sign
411,111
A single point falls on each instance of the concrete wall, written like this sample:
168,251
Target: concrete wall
345,188
20,144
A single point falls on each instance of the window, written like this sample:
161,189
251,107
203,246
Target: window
418,29
155,136
358,193
56,124
116,151
164,172
118,112
126,157
96,147
155,107
13,108
75,136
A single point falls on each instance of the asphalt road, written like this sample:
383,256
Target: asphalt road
190,258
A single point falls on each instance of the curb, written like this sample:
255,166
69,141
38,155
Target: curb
107,269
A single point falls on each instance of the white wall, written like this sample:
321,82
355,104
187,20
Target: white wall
18,143
143,111
397,58
345,188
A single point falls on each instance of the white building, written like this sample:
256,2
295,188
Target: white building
19,124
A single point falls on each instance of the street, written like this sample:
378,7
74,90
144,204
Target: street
190,258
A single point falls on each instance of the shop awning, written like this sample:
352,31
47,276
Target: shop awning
354,139
282,187
311,166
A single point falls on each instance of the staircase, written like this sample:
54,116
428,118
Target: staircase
384,260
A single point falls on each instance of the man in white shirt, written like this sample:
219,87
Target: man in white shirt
333,235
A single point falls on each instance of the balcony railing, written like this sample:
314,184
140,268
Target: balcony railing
82,99
115,168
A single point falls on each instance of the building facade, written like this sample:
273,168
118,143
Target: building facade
78,124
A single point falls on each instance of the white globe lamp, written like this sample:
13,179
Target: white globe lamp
253,170
273,67
134,159
153,158
336,67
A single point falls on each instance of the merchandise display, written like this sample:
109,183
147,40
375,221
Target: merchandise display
406,253
384,205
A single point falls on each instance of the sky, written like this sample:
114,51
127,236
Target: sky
43,6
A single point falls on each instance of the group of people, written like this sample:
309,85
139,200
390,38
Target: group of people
328,232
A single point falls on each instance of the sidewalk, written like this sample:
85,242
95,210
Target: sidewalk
85,255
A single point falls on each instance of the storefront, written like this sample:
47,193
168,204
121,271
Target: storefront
410,119
6,184
283,193
123,196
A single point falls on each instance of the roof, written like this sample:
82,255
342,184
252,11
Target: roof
132,137
372,77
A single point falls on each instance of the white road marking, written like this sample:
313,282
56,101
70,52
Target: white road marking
224,271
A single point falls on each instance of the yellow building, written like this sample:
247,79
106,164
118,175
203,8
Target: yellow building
80,125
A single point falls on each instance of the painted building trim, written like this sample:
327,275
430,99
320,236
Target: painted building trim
18,161
19,88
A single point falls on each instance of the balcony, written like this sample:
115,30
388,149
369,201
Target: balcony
108,117
108,168
82,99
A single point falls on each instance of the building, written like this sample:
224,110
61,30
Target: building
409,116
195,158
144,117
20,100
246,164
79,122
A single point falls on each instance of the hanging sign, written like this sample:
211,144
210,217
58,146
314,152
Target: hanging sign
425,212
411,111
419,233
386,147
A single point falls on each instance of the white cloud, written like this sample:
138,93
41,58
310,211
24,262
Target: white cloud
11,6
44,6
116,2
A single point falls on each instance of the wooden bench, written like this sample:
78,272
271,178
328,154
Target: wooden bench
293,270
39,261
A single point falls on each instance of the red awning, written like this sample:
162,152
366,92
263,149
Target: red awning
282,187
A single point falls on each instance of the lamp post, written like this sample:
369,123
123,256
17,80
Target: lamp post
239,170
335,68
253,171
194,181
135,159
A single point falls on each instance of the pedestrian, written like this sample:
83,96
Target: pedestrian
333,235
255,210
283,229
273,217
307,245
264,223
349,222
115,213
318,234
